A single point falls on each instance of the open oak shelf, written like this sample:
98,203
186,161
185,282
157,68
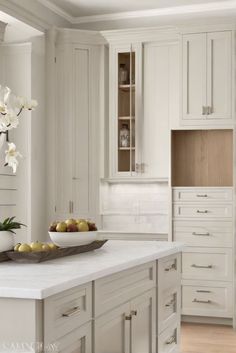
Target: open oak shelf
202,158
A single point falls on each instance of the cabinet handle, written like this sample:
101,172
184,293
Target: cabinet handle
72,312
205,211
202,291
209,110
202,195
74,178
203,110
128,317
171,340
134,313
171,268
201,266
137,167
201,234
201,301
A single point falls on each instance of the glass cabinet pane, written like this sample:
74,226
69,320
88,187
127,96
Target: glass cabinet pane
126,112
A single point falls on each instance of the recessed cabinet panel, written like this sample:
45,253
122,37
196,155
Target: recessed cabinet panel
194,76
202,158
80,152
219,82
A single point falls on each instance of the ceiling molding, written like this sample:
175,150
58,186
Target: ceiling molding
161,12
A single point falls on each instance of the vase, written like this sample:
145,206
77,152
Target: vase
6,240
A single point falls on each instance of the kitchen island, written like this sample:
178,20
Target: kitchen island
124,297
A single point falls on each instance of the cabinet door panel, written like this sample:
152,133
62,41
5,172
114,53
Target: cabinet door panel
159,71
219,75
80,128
112,331
143,324
194,76
63,132
77,341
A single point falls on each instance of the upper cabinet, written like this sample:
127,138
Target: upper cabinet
207,78
142,96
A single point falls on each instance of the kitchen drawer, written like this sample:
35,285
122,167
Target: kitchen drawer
66,311
169,340
168,308
204,233
202,194
169,271
202,211
77,341
111,291
207,264
207,299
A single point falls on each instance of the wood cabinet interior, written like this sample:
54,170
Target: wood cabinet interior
126,111
202,158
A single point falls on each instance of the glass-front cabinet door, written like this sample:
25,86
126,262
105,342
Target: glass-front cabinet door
125,109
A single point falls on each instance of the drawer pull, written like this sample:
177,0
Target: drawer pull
171,340
202,291
202,195
201,301
201,266
72,312
171,268
201,234
172,302
205,211
128,317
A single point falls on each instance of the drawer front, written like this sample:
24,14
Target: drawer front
206,264
169,340
203,195
119,288
66,311
168,308
202,211
207,301
169,271
202,233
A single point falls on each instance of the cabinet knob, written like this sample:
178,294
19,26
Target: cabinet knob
134,313
128,317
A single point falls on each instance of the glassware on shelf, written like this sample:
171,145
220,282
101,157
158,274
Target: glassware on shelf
124,136
123,74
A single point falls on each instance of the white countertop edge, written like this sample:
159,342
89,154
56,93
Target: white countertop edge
39,294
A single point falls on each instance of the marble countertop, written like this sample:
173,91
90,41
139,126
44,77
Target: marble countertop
39,281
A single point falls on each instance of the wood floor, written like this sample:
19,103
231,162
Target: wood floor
197,338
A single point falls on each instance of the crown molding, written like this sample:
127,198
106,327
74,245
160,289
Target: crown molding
161,12
65,35
146,34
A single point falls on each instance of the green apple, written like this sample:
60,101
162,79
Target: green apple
36,246
24,248
70,221
61,227
83,226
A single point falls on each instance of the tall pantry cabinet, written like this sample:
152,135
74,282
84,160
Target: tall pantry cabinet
203,177
75,132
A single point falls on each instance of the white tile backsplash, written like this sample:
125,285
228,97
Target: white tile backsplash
134,207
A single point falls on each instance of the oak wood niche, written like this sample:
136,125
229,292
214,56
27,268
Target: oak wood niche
202,158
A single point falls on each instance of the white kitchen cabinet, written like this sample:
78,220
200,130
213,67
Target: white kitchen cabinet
143,106
77,104
207,78
77,341
128,328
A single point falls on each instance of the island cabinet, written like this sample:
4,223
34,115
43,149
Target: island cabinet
207,78
134,310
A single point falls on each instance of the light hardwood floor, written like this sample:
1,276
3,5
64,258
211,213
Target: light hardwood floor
196,338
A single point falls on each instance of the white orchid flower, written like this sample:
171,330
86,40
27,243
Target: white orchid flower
27,104
11,157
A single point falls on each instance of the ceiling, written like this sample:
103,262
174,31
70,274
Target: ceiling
80,8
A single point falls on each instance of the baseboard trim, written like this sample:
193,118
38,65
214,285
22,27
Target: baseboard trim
207,320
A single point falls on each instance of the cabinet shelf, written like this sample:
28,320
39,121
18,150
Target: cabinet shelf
126,88
126,118
126,148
